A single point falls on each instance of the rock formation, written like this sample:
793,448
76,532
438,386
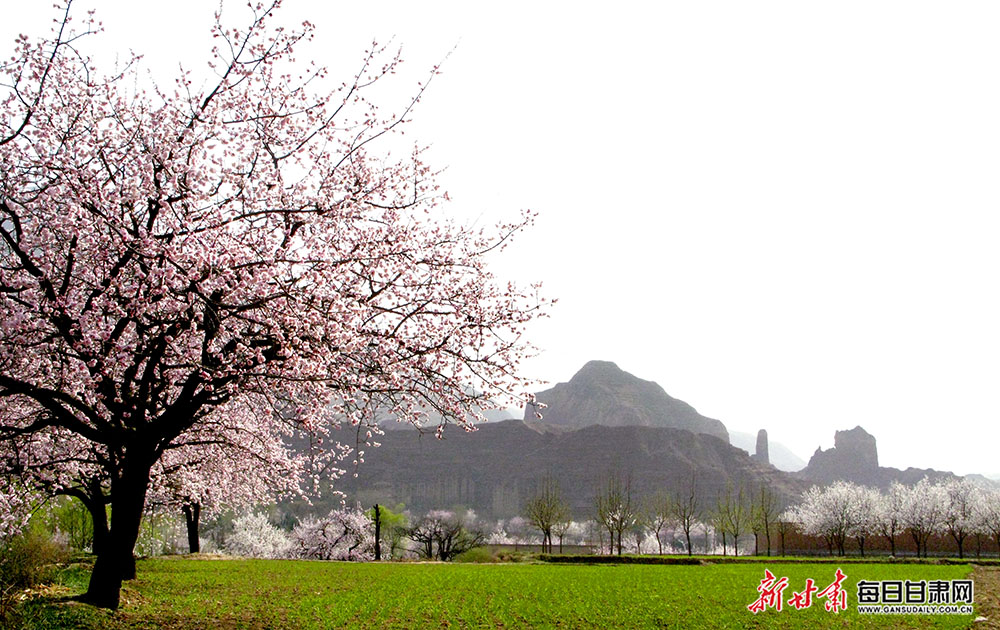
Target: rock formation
760,453
854,457
779,455
495,469
853,454
603,393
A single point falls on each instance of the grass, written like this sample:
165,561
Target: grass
215,593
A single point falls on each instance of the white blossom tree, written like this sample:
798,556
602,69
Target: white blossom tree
865,515
960,517
343,534
988,514
924,512
254,536
836,513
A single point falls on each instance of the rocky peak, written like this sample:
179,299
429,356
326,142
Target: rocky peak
604,371
761,451
854,456
602,393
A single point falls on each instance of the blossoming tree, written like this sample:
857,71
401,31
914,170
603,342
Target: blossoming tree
224,463
242,245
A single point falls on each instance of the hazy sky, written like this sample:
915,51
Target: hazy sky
785,213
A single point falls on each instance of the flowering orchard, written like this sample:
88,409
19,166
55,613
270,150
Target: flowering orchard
956,509
193,275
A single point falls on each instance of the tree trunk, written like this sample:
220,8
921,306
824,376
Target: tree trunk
687,536
99,518
117,562
192,514
378,533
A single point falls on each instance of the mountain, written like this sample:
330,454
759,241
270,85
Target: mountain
854,457
495,469
602,393
780,456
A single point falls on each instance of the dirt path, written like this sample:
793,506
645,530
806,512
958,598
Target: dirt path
987,585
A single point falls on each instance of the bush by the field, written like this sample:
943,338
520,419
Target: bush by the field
26,560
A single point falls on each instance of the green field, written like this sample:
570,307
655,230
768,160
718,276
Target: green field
219,593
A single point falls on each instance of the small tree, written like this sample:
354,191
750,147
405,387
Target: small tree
988,514
764,510
562,528
827,512
960,518
639,529
255,537
392,529
546,509
445,534
687,511
343,534
865,517
784,526
924,512
658,514
721,515
734,515
614,508
890,511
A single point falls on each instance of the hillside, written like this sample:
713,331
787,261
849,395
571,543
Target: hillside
495,469
602,393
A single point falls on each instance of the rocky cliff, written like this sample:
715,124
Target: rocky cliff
854,457
602,393
495,469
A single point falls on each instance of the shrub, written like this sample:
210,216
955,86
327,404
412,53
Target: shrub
478,555
26,560
254,537
343,534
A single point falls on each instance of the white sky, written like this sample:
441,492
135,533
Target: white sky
785,213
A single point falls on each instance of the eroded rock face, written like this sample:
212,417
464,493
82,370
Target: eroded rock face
602,393
496,469
761,452
854,456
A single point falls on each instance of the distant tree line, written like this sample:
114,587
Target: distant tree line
958,509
